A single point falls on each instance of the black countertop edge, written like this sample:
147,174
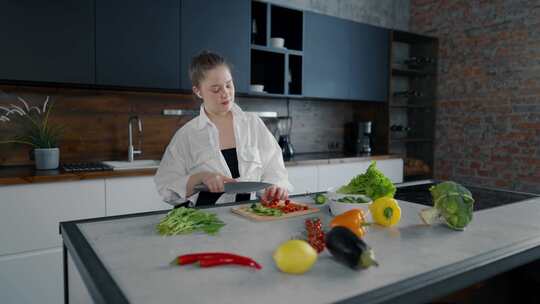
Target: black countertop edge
445,280
101,286
418,289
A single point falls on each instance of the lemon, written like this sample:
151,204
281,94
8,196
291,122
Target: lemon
295,256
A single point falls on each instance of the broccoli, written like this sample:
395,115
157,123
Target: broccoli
373,183
453,203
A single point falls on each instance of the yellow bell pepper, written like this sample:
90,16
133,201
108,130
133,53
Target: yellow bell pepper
354,220
385,211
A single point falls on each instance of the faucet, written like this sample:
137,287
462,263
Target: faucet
131,149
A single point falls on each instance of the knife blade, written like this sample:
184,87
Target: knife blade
237,187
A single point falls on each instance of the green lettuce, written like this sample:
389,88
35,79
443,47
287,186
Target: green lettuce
372,183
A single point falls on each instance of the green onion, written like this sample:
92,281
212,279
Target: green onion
186,220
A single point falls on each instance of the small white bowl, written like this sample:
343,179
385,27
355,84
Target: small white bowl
338,205
277,42
257,88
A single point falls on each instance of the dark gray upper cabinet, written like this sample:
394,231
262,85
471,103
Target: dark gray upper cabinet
344,59
50,41
219,26
137,43
327,52
369,63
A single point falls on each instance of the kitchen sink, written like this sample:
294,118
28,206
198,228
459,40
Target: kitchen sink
484,198
136,164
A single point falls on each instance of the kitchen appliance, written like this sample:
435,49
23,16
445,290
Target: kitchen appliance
86,167
358,137
237,187
284,126
484,198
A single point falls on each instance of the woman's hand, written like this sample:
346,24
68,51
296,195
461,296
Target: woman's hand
275,192
215,181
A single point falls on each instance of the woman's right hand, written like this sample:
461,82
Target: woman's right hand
215,181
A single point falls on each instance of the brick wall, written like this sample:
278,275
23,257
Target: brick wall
488,115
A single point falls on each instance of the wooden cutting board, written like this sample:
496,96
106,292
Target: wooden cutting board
244,211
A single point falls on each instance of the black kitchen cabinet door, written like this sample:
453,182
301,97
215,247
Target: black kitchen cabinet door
49,41
219,26
137,43
370,48
327,53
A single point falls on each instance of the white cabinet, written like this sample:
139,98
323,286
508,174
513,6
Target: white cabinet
30,256
303,178
34,277
132,194
30,214
335,175
316,178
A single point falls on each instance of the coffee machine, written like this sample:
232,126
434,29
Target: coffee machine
358,137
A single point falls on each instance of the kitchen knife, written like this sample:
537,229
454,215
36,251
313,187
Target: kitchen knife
237,187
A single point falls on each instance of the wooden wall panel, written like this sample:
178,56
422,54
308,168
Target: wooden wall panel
96,121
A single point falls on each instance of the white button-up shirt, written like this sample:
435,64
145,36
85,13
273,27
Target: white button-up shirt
195,148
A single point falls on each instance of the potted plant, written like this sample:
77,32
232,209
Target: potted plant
35,130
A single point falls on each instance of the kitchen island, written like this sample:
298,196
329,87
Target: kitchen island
123,260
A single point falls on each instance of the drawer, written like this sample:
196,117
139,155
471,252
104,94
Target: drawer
30,214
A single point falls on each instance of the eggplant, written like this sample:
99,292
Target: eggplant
349,249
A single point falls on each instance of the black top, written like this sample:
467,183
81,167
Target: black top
209,198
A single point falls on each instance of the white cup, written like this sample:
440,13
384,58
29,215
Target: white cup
277,42
257,88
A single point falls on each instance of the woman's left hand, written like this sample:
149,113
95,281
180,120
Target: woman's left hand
275,192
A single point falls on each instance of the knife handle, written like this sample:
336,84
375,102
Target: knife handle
200,187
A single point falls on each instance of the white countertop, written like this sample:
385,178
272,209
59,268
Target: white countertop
138,258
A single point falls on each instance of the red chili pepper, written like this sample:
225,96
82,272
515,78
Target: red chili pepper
195,257
243,261
203,257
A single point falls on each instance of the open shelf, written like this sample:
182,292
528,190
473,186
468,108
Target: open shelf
259,23
410,106
287,24
278,69
411,140
411,38
409,72
276,50
413,76
268,69
294,76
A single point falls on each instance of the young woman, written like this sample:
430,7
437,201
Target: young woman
221,145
